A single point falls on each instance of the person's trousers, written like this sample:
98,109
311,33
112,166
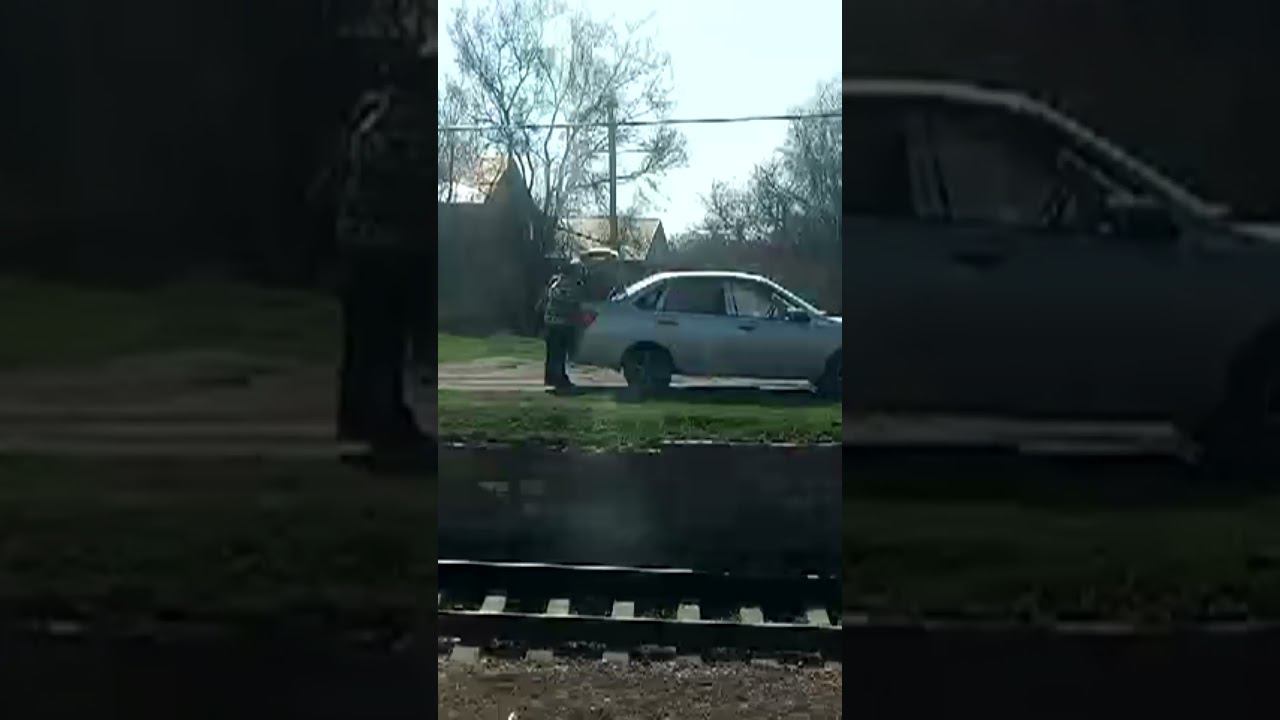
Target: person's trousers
559,343
378,314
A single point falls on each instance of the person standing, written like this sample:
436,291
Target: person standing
383,232
562,305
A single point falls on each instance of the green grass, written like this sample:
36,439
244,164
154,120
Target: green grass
279,540
457,348
60,324
603,420
50,323
1103,543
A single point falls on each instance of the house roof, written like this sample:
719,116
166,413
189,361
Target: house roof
480,186
580,234
461,193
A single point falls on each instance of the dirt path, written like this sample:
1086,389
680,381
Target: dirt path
509,375
208,403
227,402
207,384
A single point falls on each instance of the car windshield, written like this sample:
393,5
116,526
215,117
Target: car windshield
795,300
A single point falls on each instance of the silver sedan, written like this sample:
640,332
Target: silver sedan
711,324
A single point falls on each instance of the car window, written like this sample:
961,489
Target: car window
995,168
648,299
755,300
877,174
990,169
704,296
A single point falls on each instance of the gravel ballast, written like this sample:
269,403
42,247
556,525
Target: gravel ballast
569,689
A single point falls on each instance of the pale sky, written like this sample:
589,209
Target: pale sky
728,58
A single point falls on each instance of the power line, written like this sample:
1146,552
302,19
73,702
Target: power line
640,123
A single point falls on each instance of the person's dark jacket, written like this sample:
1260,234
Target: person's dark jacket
563,301
388,183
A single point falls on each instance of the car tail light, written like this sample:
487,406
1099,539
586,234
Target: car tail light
586,317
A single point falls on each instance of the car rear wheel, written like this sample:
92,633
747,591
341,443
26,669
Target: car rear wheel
647,369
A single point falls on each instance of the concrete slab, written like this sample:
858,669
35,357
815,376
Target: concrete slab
494,604
688,612
464,655
818,616
620,658
623,610
751,616
540,656
558,606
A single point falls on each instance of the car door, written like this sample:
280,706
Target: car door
767,343
1067,315
907,303
693,325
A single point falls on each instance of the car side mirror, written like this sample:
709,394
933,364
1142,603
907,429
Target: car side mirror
1140,219
798,316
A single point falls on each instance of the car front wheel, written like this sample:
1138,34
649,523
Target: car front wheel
831,384
647,369
1243,441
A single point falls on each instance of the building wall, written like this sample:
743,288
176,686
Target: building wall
483,273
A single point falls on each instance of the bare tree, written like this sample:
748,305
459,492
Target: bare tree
411,21
531,62
457,153
793,198
730,215
785,220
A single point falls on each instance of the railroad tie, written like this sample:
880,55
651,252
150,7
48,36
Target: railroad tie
679,631
540,656
465,655
818,617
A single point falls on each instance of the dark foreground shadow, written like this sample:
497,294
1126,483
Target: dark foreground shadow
956,476
43,676
915,673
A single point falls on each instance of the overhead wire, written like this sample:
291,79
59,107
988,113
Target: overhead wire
642,123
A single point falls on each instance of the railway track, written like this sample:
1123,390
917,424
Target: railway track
540,611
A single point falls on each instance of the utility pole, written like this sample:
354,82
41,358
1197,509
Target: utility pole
614,241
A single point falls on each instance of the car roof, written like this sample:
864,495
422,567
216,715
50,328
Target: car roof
937,89
656,278
720,274
967,93
651,280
